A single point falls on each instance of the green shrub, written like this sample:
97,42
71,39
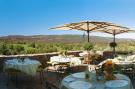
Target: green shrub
88,46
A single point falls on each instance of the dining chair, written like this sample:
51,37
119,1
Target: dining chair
77,68
52,66
41,70
49,85
130,72
61,71
12,72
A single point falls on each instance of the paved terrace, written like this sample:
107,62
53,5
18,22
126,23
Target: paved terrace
28,82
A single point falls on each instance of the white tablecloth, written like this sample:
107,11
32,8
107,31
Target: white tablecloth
124,63
86,53
67,82
27,66
71,60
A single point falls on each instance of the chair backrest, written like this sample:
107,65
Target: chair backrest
62,68
12,71
49,85
78,68
108,54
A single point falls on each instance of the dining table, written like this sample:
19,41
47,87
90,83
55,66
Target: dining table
26,65
65,59
79,81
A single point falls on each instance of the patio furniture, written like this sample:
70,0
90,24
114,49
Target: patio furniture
62,70
49,85
27,66
15,67
62,59
130,72
78,68
12,72
78,81
41,70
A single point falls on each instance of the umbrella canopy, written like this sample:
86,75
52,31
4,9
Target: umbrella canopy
114,29
88,26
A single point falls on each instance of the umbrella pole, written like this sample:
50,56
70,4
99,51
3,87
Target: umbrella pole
88,35
114,47
88,30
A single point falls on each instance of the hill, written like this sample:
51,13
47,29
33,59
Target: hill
61,38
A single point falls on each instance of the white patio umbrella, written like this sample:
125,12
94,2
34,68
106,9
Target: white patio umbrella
88,26
114,30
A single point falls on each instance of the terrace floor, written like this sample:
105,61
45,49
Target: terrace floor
27,82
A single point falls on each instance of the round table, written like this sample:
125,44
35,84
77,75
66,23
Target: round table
27,66
78,81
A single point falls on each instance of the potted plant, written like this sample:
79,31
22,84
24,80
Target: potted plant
113,44
88,47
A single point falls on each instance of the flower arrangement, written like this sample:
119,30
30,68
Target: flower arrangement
108,67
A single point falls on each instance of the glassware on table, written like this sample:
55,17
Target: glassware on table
99,74
87,76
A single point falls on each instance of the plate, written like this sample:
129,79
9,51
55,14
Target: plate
80,85
79,75
116,83
69,79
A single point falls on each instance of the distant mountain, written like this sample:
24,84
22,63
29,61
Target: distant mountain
61,38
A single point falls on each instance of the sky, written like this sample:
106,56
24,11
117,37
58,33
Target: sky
35,17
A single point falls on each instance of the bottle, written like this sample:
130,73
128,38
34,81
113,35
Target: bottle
87,76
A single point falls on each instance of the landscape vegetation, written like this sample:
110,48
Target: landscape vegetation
14,45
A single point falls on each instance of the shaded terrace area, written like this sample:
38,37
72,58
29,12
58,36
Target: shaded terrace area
24,81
